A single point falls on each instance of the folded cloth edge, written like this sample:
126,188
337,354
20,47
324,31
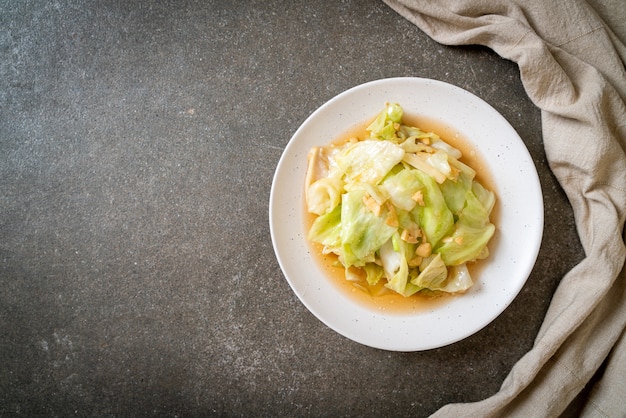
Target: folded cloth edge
558,81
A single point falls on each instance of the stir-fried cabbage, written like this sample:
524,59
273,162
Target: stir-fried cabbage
399,206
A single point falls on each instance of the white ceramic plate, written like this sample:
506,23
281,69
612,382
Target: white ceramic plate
519,228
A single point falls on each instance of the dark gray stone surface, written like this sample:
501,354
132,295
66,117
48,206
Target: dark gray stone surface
138,142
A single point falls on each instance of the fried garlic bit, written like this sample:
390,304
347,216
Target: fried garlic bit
458,240
418,197
372,204
424,250
415,261
411,237
392,216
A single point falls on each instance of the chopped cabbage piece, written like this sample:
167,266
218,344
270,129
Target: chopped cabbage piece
437,143
472,232
324,195
436,218
374,273
326,230
401,188
362,232
454,192
369,161
383,127
459,279
433,274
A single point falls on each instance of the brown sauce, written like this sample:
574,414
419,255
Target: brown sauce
378,297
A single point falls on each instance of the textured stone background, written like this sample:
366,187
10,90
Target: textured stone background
138,142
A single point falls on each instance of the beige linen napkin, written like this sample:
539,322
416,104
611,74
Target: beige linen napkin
571,62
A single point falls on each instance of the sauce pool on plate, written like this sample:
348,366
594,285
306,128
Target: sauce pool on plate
378,297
